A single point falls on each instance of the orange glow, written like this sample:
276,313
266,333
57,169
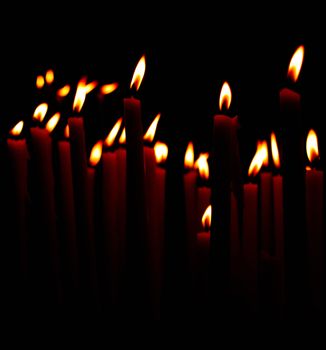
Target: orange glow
108,88
296,63
258,160
207,218
161,152
39,82
96,153
275,153
264,150
122,138
189,156
17,129
64,91
40,111
312,146
80,96
49,76
52,122
150,133
91,86
113,133
138,73
202,165
66,132
225,96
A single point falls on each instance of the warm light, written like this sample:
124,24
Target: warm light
161,152
264,150
122,138
52,122
108,88
202,165
80,96
113,133
150,133
225,96
312,146
64,91
91,86
207,218
66,132
17,129
49,76
139,73
40,111
189,156
275,153
39,81
96,153
296,63
258,160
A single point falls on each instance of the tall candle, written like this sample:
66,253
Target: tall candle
314,214
293,150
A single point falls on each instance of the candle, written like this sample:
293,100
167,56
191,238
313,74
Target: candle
314,214
293,191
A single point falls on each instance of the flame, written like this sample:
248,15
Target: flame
150,133
161,152
225,96
312,146
258,159
64,91
40,111
49,76
275,153
264,150
296,63
202,165
138,73
80,96
96,153
17,129
66,132
108,88
113,133
39,81
207,218
52,122
91,86
189,156
122,138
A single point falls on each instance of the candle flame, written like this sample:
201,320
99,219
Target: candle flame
80,95
189,156
258,160
40,82
64,91
202,165
96,153
225,96
49,76
91,86
17,129
150,133
275,153
138,73
161,152
122,138
40,111
108,88
264,150
52,122
296,63
113,133
207,218
66,132
312,146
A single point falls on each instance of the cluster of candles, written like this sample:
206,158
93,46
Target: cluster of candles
108,208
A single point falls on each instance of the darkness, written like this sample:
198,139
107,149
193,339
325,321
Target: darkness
187,62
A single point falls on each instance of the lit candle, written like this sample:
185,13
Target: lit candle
314,215
293,151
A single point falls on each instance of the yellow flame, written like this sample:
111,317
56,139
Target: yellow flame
91,86
17,129
138,73
296,63
52,122
207,218
258,160
161,152
189,156
80,95
122,138
64,91
150,133
275,153
66,132
202,165
225,96
113,133
96,153
312,145
40,111
40,82
108,88
49,76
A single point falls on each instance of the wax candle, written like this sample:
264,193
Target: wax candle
314,214
293,190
